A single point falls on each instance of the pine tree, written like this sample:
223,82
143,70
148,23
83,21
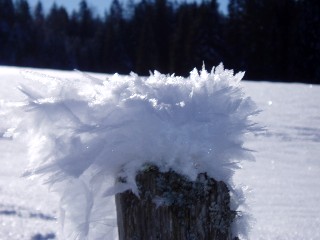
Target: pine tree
198,37
162,25
181,59
146,52
234,34
209,44
55,38
260,37
38,37
7,15
22,34
307,58
114,50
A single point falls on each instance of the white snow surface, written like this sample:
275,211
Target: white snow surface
284,179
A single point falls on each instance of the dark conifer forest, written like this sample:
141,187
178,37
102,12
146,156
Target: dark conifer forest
277,40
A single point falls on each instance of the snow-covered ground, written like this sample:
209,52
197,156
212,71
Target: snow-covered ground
285,179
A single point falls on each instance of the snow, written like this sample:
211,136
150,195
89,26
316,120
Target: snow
284,179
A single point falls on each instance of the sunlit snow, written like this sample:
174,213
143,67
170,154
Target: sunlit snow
284,179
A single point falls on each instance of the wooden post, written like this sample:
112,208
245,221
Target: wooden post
170,207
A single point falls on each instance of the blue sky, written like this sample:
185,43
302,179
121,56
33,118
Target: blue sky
99,6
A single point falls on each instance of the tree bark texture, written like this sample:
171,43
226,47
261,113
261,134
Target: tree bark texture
170,207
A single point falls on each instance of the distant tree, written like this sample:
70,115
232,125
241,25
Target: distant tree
22,39
181,59
74,41
163,29
269,39
307,49
114,39
255,36
86,20
6,13
235,36
208,38
39,35
23,11
129,8
260,36
7,16
38,16
86,33
198,37
146,52
55,38
282,39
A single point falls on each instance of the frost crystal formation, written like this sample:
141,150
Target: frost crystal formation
85,134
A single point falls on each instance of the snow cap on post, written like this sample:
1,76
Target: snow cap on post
87,133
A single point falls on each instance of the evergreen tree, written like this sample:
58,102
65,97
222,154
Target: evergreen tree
259,33
38,37
270,39
55,38
7,16
235,36
87,29
198,37
146,55
181,58
22,38
113,44
86,20
307,56
163,26
208,42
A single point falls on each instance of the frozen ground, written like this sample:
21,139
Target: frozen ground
285,179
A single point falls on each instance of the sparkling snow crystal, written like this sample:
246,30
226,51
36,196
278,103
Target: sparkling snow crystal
84,134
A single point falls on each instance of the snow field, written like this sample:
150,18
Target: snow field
284,179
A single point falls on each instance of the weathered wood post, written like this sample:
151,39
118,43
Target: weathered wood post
170,207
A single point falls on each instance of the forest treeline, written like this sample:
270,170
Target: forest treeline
269,39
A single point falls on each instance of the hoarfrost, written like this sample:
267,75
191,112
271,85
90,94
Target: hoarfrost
84,134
